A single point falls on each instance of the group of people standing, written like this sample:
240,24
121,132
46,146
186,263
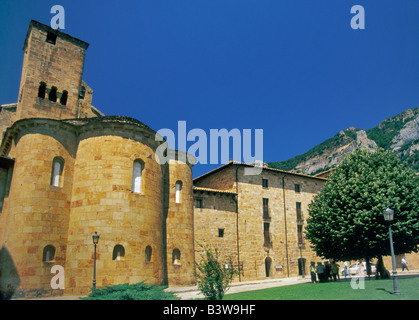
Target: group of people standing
330,271
324,273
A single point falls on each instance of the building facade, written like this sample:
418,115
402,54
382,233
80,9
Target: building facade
258,220
67,172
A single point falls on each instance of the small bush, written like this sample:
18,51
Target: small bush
138,291
212,276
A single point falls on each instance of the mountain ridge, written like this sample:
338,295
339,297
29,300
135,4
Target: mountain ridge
399,133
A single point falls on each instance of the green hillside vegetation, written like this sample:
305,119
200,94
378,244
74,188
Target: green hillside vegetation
387,130
382,134
329,144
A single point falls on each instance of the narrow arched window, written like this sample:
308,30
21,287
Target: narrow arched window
64,97
176,256
137,176
178,189
57,171
53,94
118,252
148,254
48,254
42,89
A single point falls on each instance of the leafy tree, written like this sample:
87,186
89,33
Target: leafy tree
346,218
212,276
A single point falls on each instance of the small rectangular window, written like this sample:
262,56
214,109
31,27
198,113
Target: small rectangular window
265,208
53,94
82,93
51,38
264,183
176,256
266,235
300,234
148,251
178,189
298,209
297,188
198,203
42,90
220,233
64,97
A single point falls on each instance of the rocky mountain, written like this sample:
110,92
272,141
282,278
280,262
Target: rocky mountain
399,133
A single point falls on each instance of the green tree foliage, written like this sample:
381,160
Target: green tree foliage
346,218
212,276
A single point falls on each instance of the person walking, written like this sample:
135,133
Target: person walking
404,264
345,270
313,272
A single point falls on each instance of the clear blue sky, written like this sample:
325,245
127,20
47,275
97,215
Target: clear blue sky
294,68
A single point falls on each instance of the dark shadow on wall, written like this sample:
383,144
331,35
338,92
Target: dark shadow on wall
9,278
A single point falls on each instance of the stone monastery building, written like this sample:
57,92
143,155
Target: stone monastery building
257,219
68,171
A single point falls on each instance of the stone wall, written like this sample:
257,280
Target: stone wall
7,116
37,213
216,222
180,226
94,194
263,240
103,201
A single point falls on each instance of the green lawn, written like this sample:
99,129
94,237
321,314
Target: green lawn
341,290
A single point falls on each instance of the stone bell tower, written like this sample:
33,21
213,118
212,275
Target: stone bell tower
51,85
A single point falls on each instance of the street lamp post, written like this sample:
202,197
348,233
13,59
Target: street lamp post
388,217
95,238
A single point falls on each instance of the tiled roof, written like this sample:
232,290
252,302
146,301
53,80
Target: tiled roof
231,162
212,190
